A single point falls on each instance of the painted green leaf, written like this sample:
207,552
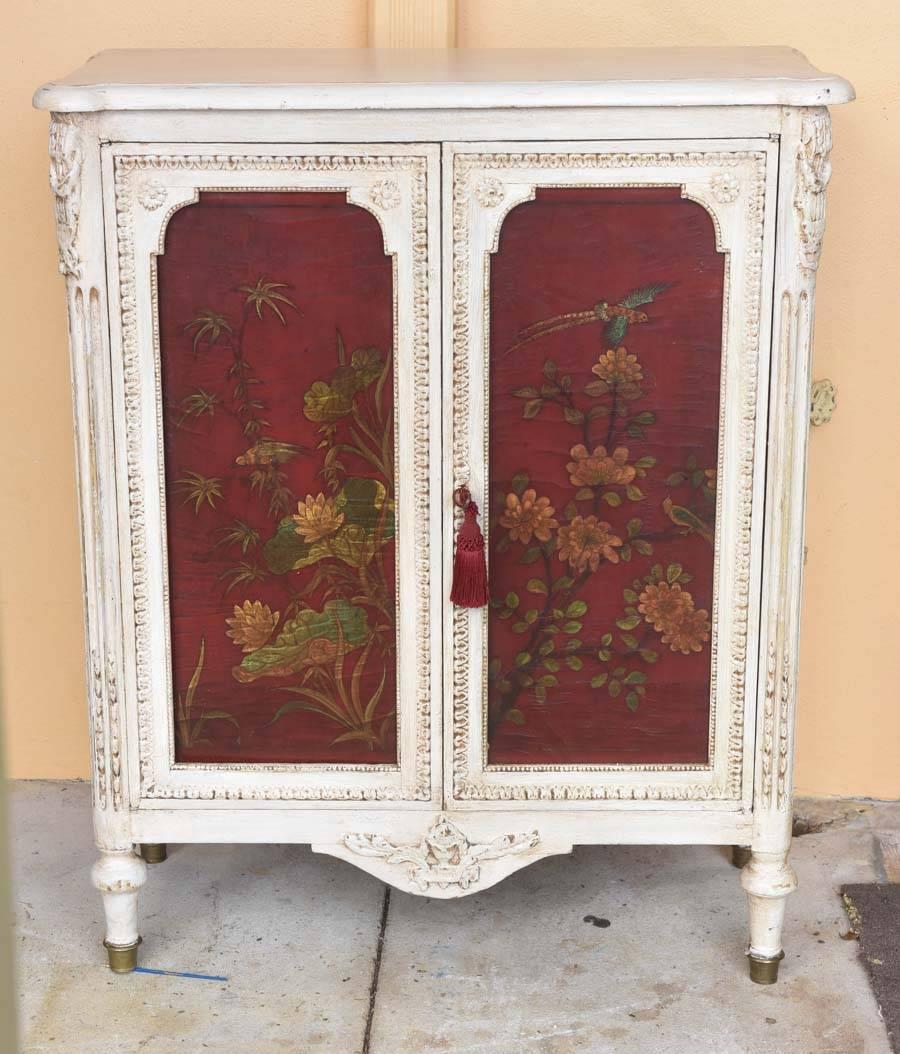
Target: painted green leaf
515,716
632,701
361,502
310,638
636,677
599,680
532,408
629,622
518,483
535,585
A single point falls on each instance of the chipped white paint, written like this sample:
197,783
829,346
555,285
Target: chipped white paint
742,132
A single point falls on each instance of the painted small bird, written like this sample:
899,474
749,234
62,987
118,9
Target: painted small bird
689,521
270,452
617,317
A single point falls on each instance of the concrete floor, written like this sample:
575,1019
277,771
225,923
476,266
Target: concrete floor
514,970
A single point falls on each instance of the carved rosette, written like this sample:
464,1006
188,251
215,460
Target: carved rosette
385,194
66,161
813,174
488,192
151,194
444,857
725,187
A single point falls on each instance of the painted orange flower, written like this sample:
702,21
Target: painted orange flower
584,540
670,610
317,518
590,470
618,367
528,515
252,624
689,633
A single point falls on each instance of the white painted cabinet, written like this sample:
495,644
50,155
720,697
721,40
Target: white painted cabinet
314,297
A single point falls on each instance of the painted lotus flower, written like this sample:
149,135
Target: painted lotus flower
584,540
317,518
528,515
598,468
252,624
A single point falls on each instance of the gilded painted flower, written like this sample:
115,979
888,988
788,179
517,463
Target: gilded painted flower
321,651
710,481
317,518
689,633
252,624
584,540
589,470
663,605
618,367
528,515
670,610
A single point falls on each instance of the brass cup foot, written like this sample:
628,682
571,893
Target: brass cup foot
122,959
764,970
154,852
740,855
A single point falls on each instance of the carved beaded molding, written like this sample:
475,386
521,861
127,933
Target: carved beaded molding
444,857
132,174
471,785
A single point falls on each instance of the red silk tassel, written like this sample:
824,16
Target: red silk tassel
470,589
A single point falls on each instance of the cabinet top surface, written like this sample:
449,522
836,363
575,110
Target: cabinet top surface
325,79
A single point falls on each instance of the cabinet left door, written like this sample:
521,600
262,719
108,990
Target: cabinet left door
275,366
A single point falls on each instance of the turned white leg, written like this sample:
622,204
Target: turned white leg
119,876
767,880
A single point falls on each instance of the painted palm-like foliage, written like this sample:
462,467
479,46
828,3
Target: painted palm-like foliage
327,647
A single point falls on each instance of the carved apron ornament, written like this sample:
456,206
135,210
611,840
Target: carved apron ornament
445,857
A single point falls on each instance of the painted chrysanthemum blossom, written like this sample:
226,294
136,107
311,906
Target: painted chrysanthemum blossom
618,367
252,624
670,610
317,518
584,540
689,633
591,470
528,515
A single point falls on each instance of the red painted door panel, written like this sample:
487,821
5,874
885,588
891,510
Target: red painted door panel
276,329
606,310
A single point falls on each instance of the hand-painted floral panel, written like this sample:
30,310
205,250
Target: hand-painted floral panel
276,336
606,338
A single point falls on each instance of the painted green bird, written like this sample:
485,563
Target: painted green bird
618,317
689,521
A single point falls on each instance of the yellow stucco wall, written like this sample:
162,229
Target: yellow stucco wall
849,736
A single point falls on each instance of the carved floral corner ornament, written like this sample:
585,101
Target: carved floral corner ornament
66,161
813,174
444,857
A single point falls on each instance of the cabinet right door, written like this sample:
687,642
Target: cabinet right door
607,326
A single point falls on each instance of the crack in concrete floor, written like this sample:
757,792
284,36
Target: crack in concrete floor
321,958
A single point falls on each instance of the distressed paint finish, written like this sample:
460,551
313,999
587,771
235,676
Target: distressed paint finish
119,177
